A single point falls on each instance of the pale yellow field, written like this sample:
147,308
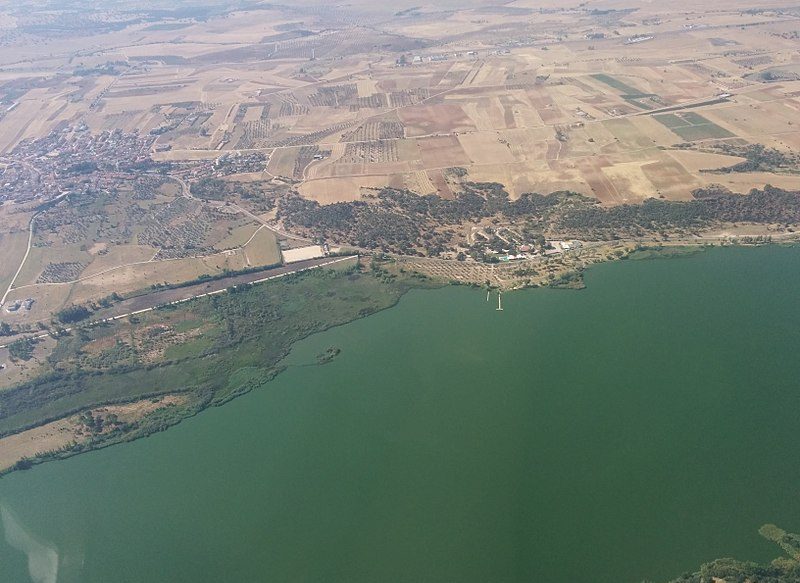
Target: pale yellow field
20,371
49,299
696,161
118,255
56,434
127,279
262,249
630,179
329,190
237,237
347,98
12,249
40,257
478,111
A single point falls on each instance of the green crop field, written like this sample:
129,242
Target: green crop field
634,100
630,94
626,89
671,120
692,126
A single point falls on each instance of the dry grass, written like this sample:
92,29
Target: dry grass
58,434
262,249
12,250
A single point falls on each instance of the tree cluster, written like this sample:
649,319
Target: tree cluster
72,314
401,221
758,158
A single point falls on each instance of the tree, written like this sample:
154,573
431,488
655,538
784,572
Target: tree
23,464
72,314
21,349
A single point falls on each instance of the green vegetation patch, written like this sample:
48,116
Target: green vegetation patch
784,569
168,26
329,354
702,132
237,345
671,120
22,349
758,158
628,93
619,85
635,102
190,347
693,118
789,542
663,252
692,126
414,223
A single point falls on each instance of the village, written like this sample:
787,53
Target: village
492,244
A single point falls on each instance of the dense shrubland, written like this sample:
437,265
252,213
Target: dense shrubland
402,222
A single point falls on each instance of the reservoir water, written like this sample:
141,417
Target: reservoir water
628,431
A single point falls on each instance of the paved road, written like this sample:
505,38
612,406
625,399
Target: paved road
22,263
169,297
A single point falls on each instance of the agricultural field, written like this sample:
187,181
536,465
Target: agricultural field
692,126
189,188
89,246
175,135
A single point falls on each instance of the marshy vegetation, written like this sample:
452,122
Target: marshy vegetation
210,350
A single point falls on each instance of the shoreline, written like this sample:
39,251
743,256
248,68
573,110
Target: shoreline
172,296
192,408
279,399
564,270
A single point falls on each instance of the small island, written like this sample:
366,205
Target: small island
328,355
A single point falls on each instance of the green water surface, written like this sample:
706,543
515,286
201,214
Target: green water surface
629,431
